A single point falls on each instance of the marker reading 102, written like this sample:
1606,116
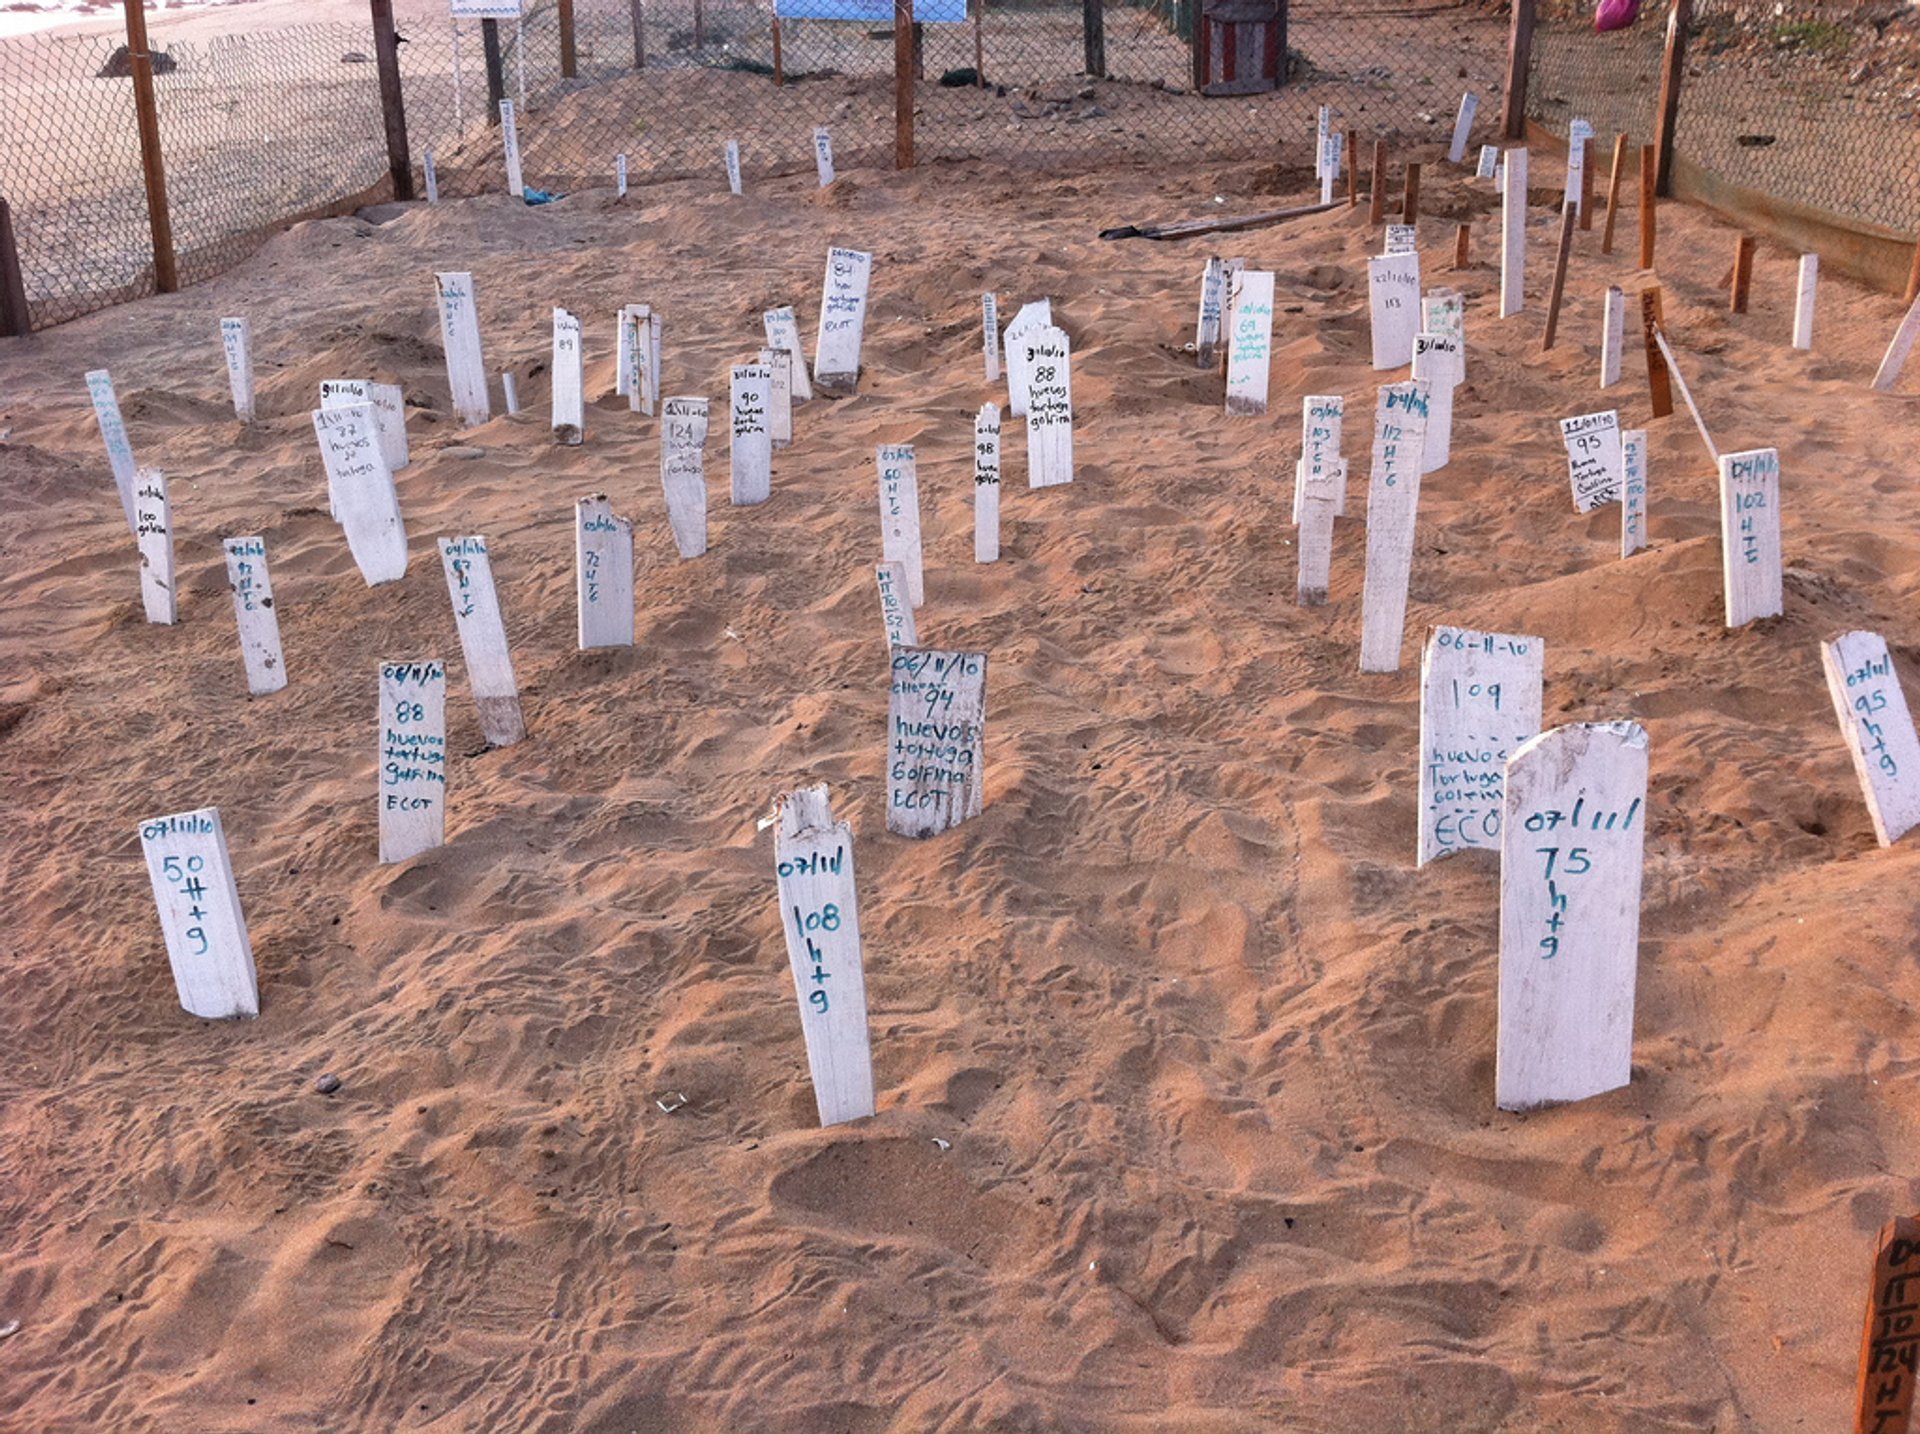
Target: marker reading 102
184,872
827,918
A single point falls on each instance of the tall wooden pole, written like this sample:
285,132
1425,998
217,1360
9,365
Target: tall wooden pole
1647,204
166,277
779,56
1613,191
1672,66
1513,105
15,320
496,75
639,33
1093,25
393,109
569,56
903,84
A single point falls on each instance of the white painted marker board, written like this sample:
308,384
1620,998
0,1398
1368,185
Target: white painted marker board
1895,357
510,150
483,638
412,771
1393,502
1513,234
1613,336
1489,161
619,176
1393,300
1048,360
509,393
1463,127
1578,133
750,446
1803,301
569,392
255,614
843,318
153,528
1030,320
733,166
389,413
990,335
936,739
1321,417
1750,534
360,488
1633,491
779,366
823,156
1592,441
986,484
1436,359
1213,297
1319,490
896,608
820,914
900,514
783,332
113,432
1444,311
683,476
460,337
1571,847
200,916
433,180
603,573
236,342
1250,342
1480,699
1878,728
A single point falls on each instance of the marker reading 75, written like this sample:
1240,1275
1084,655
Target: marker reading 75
827,918
186,876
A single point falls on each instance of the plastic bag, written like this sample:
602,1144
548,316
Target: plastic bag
1615,15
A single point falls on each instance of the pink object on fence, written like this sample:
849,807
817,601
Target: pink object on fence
1615,14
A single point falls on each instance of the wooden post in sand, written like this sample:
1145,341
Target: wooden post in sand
820,915
460,337
1593,459
1878,728
1048,360
936,740
1742,274
258,618
843,317
750,452
779,365
16,319
1571,849
166,276
1489,165
896,611
1480,698
433,177
1613,335
903,77
1350,147
1803,299
1206,331
483,638
113,433
1463,127
1250,344
1613,191
619,176
1561,254
1393,499
413,758
683,439
360,487
1633,491
990,335
1659,383
900,514
1436,363
1892,1337
823,157
569,398
1895,358
733,167
986,484
153,528
1673,67
1648,200
1410,201
1377,185
1462,245
236,342
783,332
1513,232
1578,186
1321,418
1750,534
200,916
1513,95
510,150
509,392
603,573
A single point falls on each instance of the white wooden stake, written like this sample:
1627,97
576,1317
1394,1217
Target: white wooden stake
1578,133
510,147
990,335
1048,360
1633,491
1895,358
1393,501
1803,301
1463,127
389,413
783,332
200,916
254,611
1878,728
360,489
1213,297
236,342
412,772
1320,465
1393,296
823,156
1750,534
1592,441
733,166
153,526
750,453
986,484
1029,321
1570,870
603,570
1250,342
113,432
619,176
683,477
1444,311
460,337
896,609
820,914
1489,162
433,181
779,365
1513,234
483,638
569,384
900,514
1436,361
1613,336
843,318
510,393
1319,488
936,740
1480,698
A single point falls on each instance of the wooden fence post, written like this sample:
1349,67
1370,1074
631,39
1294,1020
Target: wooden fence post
1648,170
1513,107
569,56
166,277
15,321
393,109
639,33
903,84
1679,20
496,77
1093,26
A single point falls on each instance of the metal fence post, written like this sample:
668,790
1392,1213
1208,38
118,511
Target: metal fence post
569,58
166,278
393,109
15,322
496,77
639,33
1093,27
1679,20
1513,108
903,84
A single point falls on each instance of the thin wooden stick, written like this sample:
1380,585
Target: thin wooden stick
1377,197
1410,209
1674,368
1646,206
1659,388
1613,191
1742,273
1560,257
1353,168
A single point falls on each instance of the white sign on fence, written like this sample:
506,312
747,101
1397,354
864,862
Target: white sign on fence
986,484
1321,415
823,156
683,477
936,740
153,529
200,916
510,148
1633,491
779,366
1393,500
603,571
733,166
1613,336
1463,127
258,619
483,638
1513,234
896,608
1393,297
900,514
1480,698
1048,361
569,384
1593,458
750,452
1750,534
360,490
1436,363
1804,293
413,758
1570,870
1029,321
783,332
1249,341
820,914
236,341
1213,295
990,335
1878,727
843,318
460,337
113,432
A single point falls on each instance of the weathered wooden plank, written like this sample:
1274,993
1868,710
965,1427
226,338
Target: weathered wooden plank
236,342
1889,1345
1750,534
1393,502
750,446
1878,727
254,612
1592,442
1393,300
153,528
896,608
843,319
412,771
683,477
820,914
1803,301
936,740
900,514
1613,336
1048,360
1570,870
360,488
1029,321
986,484
483,638
1480,698
1513,234
1463,127
783,332
200,917
460,338
603,573
113,433
1633,491
1321,418
1250,342
569,384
